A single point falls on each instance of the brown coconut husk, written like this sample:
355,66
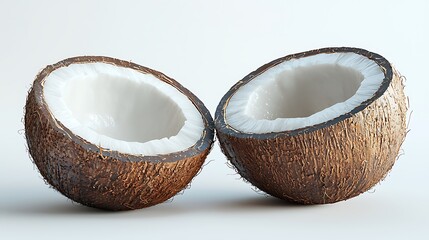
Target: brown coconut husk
101,178
328,162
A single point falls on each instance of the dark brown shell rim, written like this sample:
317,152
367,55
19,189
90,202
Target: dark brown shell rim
220,121
201,145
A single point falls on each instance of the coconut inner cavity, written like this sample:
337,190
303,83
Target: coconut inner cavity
303,92
122,109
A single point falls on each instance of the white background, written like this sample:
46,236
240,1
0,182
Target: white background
208,46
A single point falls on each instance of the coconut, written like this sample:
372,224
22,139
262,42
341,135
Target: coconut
315,127
114,135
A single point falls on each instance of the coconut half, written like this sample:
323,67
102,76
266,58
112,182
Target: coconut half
315,127
111,134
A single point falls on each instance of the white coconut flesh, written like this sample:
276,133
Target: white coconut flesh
303,92
122,109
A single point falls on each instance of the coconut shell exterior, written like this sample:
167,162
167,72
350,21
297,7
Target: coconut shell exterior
329,162
101,178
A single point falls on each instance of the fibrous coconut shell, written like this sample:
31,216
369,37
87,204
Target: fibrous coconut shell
101,178
328,162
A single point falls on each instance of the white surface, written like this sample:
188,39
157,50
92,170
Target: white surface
209,46
122,109
303,92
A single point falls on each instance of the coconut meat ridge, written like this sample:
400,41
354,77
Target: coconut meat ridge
122,109
303,92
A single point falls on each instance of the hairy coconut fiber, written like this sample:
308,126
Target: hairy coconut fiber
328,162
101,178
